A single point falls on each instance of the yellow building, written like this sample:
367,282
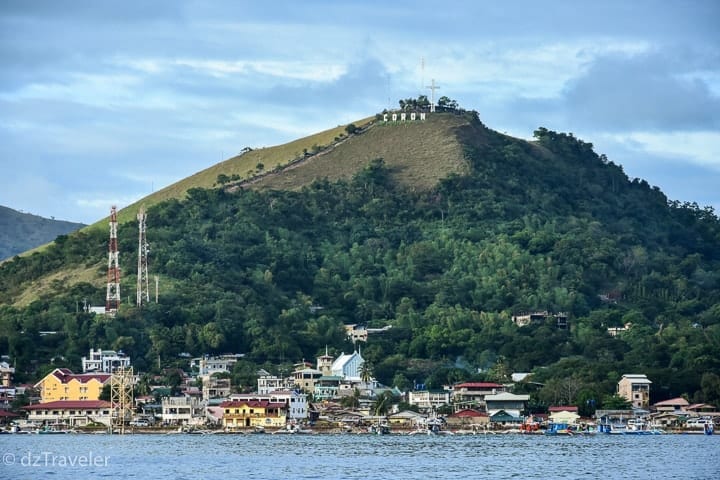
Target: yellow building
63,384
253,413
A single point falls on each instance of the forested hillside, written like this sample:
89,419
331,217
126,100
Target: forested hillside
22,231
547,225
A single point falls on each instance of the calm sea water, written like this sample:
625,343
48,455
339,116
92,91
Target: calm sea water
364,457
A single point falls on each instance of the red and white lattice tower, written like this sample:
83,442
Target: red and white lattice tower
143,292
112,299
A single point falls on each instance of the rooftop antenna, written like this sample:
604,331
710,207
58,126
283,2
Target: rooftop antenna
432,88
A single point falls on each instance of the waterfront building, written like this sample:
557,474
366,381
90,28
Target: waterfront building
185,410
510,403
563,414
673,405
104,361
468,418
296,403
63,384
253,413
472,394
70,412
426,400
635,388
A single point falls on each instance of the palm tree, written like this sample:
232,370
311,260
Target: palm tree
366,372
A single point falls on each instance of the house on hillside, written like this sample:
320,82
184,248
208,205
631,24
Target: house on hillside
63,384
348,366
104,361
635,388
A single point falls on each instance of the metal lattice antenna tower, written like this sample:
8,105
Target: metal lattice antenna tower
112,299
143,291
121,398
432,88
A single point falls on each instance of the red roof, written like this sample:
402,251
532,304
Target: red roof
478,385
678,401
68,404
252,403
563,408
66,375
4,413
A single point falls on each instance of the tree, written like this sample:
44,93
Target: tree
351,128
615,402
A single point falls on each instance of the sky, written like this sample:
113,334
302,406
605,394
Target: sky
104,102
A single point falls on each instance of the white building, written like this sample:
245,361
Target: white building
296,402
182,411
207,365
70,412
348,366
426,400
104,361
268,383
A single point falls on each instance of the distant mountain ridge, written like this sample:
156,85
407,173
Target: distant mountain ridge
20,231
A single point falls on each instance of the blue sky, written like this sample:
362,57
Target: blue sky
103,102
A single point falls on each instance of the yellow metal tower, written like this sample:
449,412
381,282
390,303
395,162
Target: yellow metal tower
121,398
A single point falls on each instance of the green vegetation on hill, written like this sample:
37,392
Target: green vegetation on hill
512,227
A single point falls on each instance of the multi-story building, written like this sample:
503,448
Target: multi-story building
63,384
268,383
104,361
472,394
635,388
295,402
184,410
6,374
253,413
214,387
207,365
427,401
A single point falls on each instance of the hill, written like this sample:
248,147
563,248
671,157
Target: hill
20,232
446,230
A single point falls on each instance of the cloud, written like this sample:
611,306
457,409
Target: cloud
660,90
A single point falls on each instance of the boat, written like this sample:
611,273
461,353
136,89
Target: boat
54,429
559,428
